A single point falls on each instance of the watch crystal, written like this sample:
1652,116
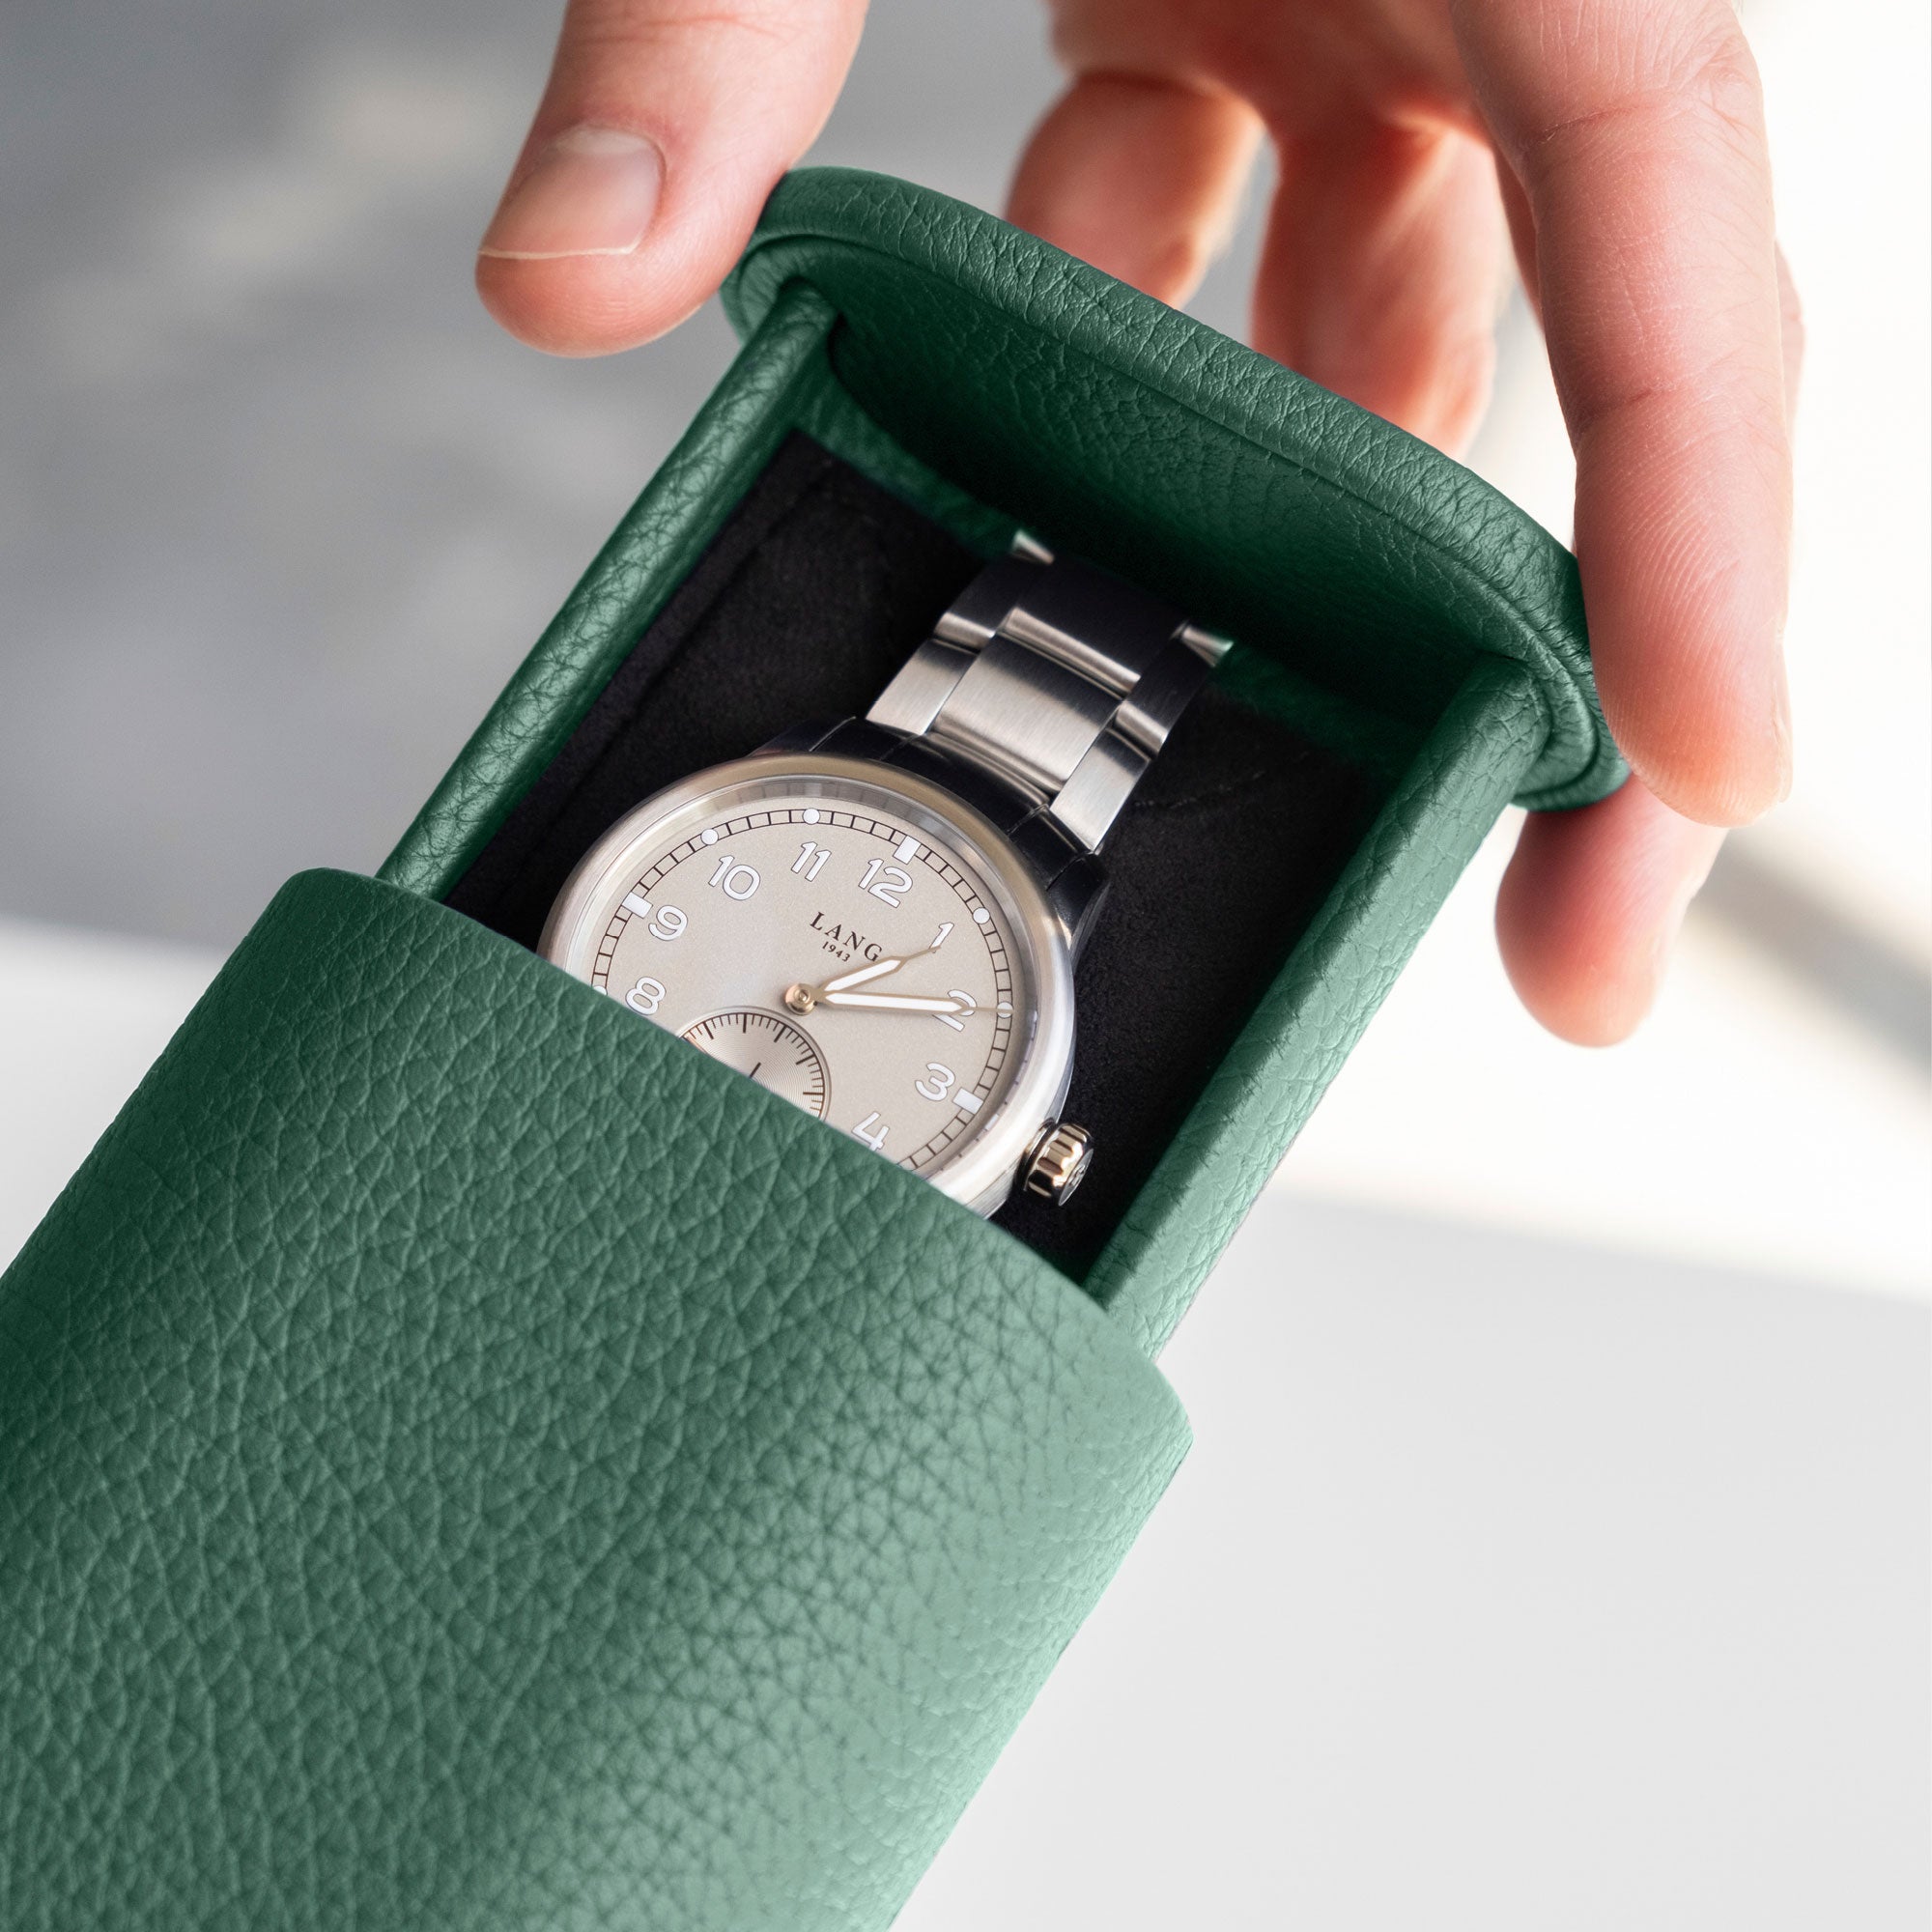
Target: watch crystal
843,947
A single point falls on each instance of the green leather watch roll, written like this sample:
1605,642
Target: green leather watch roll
474,1461
469,1461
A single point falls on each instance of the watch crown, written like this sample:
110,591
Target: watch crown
1057,1162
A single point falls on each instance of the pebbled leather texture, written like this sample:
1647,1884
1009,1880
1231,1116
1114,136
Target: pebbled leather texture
1138,437
473,1463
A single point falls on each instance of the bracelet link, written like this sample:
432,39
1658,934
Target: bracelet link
1062,681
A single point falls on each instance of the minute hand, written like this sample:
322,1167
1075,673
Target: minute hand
889,1002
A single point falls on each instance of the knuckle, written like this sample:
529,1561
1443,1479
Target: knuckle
1720,90
1684,81
1719,74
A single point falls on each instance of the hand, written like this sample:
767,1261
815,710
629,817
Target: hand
1618,144
801,998
876,1003
860,976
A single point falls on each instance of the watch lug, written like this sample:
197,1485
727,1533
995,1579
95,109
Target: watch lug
1076,898
797,738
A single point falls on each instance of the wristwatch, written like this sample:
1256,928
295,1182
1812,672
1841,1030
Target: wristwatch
879,918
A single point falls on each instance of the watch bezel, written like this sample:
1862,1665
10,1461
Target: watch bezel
980,1175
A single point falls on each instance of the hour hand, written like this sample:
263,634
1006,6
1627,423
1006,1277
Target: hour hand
858,976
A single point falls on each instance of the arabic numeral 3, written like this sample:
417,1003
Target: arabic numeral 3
939,1086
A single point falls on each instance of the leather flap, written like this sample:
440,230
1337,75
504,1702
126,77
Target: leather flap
1251,497
467,1461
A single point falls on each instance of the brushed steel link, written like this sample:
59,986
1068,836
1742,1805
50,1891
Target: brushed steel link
912,700
1094,624
1099,789
1020,712
987,602
1152,708
1060,681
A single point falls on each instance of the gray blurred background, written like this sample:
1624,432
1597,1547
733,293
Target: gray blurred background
280,506
1556,1553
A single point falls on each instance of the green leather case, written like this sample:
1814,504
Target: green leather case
469,1460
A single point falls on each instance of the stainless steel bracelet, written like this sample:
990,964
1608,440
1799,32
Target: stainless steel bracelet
1060,681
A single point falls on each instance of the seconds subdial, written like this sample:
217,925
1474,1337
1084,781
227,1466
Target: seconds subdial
775,1052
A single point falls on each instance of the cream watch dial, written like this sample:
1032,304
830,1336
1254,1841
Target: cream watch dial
849,946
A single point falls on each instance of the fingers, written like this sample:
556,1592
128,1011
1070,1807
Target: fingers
1635,128
664,126
1384,271
1589,908
1142,178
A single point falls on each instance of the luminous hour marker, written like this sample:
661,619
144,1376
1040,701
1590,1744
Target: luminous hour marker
967,1103
636,903
906,850
710,836
1003,1008
810,816
982,915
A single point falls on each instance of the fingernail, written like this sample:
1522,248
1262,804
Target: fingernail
592,191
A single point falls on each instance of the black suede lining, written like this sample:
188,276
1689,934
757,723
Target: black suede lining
804,603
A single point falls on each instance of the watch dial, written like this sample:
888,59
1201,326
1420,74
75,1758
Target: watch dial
829,941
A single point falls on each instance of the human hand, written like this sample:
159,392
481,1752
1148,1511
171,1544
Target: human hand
1618,144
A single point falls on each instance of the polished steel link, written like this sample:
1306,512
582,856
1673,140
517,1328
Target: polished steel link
1059,680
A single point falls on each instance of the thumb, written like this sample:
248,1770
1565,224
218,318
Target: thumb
665,125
